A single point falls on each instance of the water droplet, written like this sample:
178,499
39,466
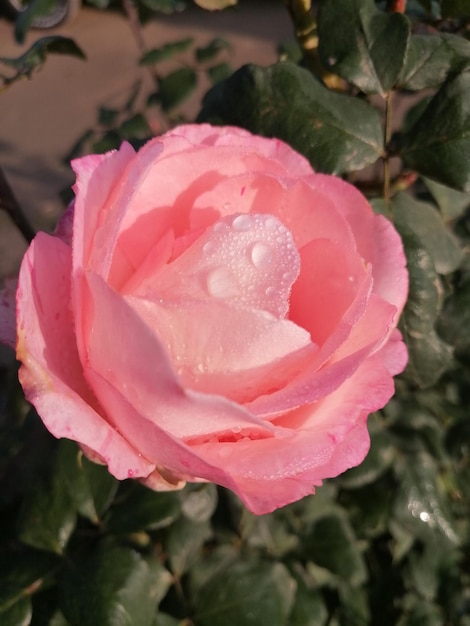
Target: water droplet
209,247
218,227
242,222
270,291
221,283
130,473
261,254
200,368
227,206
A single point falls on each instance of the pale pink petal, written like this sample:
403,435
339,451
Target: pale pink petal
331,279
330,437
51,373
377,241
235,352
8,312
394,354
145,376
243,260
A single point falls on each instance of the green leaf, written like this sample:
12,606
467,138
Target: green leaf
337,133
361,44
331,544
455,8
164,6
249,593
184,540
427,225
107,117
35,56
379,458
308,608
109,141
430,58
451,202
438,145
112,587
166,52
48,516
199,502
429,356
135,127
454,321
215,5
420,504
91,486
17,615
32,14
176,87
22,574
207,53
219,72
143,509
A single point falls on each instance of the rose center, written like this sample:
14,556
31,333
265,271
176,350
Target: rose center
246,260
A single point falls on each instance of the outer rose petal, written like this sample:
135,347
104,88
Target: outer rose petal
51,374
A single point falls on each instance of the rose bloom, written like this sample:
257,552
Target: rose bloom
210,309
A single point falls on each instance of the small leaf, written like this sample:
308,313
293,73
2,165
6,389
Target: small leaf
429,356
430,58
454,320
112,587
143,509
438,145
17,615
22,574
184,541
166,52
451,202
337,133
177,87
219,72
455,8
135,127
215,5
199,502
379,458
48,517
309,608
261,594
207,53
362,45
421,506
331,544
164,6
107,117
91,486
35,56
426,224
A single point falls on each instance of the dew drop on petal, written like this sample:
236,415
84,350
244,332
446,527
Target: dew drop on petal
261,254
221,283
242,222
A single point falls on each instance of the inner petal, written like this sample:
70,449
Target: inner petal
243,259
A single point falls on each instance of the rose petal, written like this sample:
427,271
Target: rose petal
377,241
235,352
144,374
51,373
330,437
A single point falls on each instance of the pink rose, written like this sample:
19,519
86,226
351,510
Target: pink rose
213,310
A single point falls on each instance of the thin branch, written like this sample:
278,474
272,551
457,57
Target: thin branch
9,204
